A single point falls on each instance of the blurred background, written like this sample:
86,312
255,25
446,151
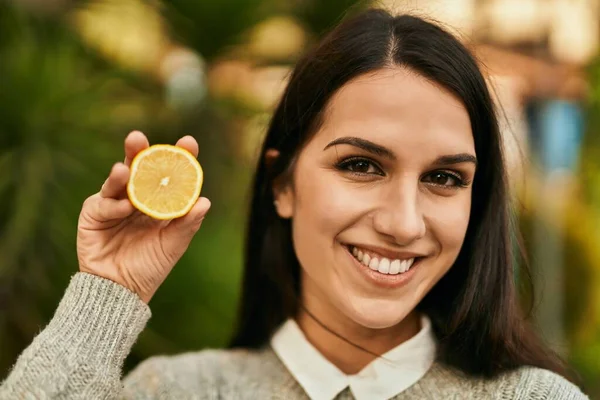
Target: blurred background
77,76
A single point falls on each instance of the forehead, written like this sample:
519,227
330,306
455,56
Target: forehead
398,107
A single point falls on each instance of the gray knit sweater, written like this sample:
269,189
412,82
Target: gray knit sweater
79,355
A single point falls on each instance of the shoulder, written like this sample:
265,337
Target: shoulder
521,383
210,372
207,365
540,383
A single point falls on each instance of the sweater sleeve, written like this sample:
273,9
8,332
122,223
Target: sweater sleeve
80,354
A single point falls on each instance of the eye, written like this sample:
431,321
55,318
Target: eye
445,179
361,166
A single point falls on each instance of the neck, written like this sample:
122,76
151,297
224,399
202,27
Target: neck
348,345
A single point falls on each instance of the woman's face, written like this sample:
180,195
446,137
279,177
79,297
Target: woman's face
380,197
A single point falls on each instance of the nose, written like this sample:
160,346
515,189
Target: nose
399,216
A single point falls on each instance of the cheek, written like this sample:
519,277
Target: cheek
326,205
448,220
321,211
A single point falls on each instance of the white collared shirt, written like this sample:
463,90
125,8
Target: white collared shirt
385,377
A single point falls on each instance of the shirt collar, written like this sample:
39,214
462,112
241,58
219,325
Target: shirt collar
385,377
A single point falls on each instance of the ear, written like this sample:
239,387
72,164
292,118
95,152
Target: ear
283,192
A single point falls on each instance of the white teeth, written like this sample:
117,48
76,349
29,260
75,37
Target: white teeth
394,267
403,266
384,266
406,264
366,259
374,264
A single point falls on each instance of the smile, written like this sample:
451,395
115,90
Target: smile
381,264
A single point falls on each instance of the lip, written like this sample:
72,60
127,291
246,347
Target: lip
385,281
389,254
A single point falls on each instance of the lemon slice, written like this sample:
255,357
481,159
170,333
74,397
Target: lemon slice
165,181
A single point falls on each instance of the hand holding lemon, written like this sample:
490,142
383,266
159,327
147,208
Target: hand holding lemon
136,228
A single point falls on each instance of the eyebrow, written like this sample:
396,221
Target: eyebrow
379,150
364,144
456,159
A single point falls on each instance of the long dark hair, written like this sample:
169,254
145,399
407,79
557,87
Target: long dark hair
474,307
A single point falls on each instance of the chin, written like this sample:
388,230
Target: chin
376,314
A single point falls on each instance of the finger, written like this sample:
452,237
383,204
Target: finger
184,228
116,183
189,143
135,142
110,209
99,209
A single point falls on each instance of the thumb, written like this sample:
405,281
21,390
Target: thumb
182,229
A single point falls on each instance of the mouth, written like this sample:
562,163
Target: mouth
392,265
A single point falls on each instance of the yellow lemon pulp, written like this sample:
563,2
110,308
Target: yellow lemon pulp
165,181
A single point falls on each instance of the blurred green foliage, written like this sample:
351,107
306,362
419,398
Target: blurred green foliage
590,167
212,26
55,101
583,235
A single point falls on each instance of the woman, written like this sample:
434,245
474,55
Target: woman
378,259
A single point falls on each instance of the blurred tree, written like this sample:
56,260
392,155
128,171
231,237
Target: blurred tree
590,168
210,27
320,16
56,146
583,232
